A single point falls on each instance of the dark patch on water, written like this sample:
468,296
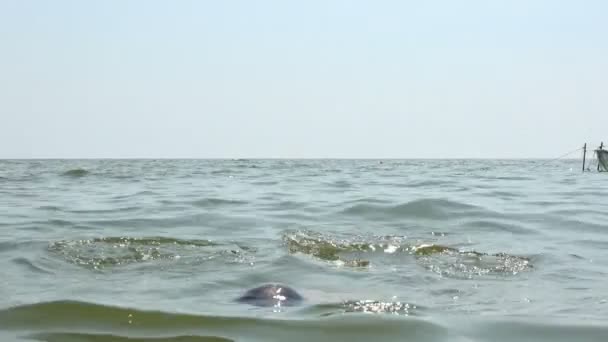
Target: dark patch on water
216,202
76,173
49,208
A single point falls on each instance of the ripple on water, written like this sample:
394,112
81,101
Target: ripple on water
30,265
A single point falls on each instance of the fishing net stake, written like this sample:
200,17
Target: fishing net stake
584,155
598,156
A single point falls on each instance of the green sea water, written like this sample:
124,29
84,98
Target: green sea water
381,250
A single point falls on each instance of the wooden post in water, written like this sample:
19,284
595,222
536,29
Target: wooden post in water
598,157
584,155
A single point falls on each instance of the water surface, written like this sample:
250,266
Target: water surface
429,250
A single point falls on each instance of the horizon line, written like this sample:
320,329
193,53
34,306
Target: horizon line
289,158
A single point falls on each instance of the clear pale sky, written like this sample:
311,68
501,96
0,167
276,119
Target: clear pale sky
303,79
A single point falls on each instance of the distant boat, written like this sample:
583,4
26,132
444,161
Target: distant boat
602,158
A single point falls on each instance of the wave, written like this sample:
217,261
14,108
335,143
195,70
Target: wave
55,320
224,171
367,201
30,266
216,202
165,222
499,226
102,211
137,194
340,184
421,209
286,205
84,321
426,183
61,337
270,182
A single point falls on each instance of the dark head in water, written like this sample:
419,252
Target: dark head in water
271,295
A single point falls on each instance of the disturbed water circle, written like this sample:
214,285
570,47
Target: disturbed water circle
454,263
108,252
442,260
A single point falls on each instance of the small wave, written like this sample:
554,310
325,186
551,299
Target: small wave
426,184
582,226
76,173
104,211
246,166
599,244
286,205
216,202
265,183
424,208
137,194
222,172
367,201
58,222
136,221
514,178
28,264
341,184
49,208
494,225
503,194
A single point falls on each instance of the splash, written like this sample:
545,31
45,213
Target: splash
378,307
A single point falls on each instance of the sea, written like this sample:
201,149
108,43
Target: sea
380,250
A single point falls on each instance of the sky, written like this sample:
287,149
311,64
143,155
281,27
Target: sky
302,79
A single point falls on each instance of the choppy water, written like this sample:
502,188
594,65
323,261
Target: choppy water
458,250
